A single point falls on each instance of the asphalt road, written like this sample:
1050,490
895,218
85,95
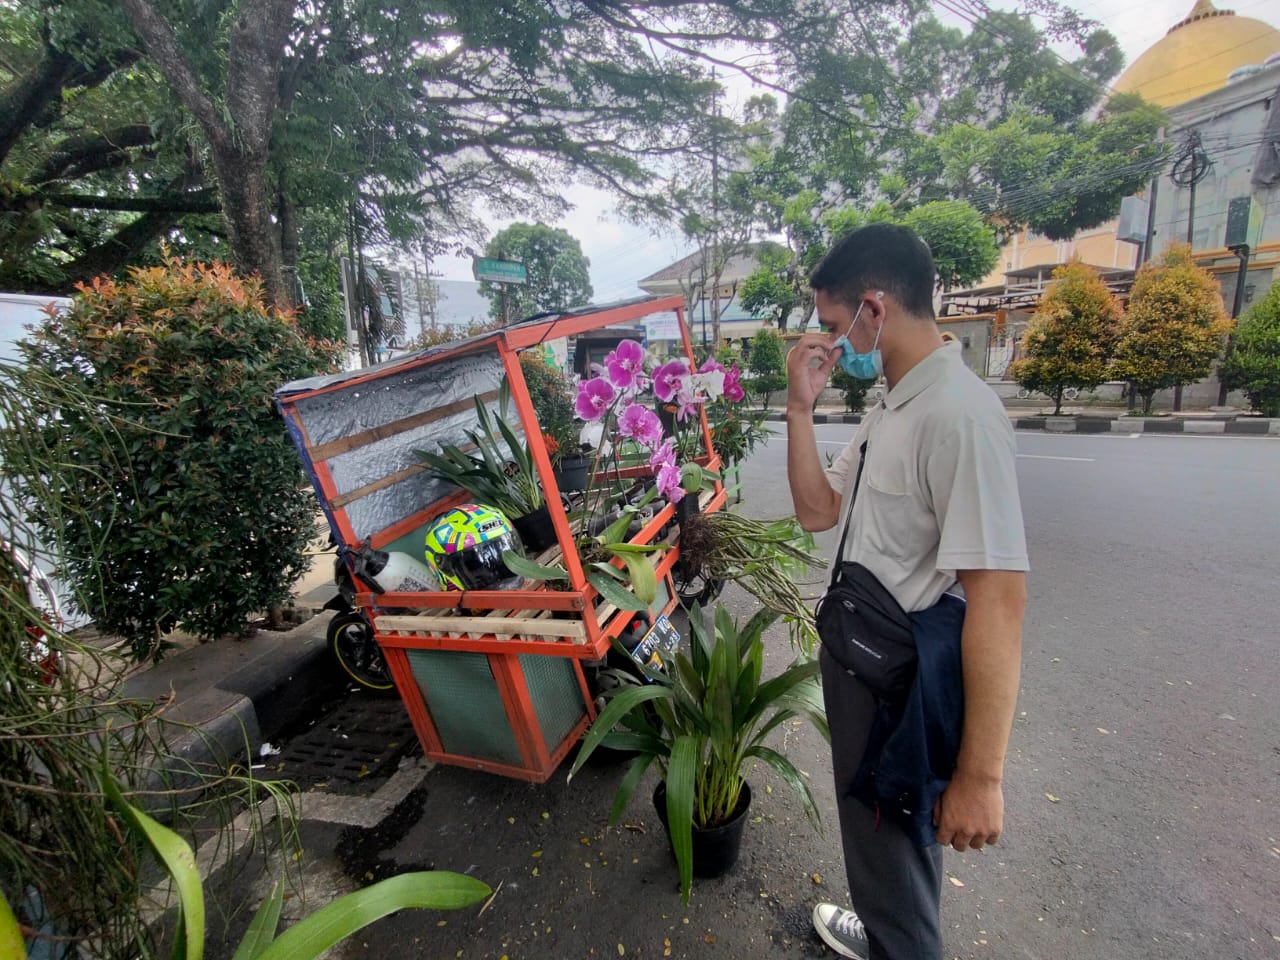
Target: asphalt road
1141,786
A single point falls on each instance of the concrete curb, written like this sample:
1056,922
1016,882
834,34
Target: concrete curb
1204,426
228,697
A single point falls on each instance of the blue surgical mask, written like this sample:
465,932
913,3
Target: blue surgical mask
860,366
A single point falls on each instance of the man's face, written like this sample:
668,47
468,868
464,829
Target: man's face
836,318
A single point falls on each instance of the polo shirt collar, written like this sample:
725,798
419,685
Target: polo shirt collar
923,375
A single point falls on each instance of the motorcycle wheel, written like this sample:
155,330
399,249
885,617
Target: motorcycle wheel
351,640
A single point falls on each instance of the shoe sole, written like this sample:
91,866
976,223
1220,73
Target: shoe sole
830,940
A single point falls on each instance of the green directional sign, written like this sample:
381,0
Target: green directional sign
499,271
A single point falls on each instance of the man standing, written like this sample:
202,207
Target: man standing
937,503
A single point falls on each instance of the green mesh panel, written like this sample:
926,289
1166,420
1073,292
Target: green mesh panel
465,704
556,696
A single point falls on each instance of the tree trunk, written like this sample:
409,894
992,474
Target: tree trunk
1148,397
246,204
1057,399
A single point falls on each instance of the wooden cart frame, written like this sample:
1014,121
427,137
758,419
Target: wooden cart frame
492,680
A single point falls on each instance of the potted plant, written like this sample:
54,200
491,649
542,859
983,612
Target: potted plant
552,401
502,475
700,721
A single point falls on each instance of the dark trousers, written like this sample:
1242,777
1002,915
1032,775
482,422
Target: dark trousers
895,886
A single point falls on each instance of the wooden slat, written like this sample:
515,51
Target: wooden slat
480,626
390,479
356,440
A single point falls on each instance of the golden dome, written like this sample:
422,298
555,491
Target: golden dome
1197,54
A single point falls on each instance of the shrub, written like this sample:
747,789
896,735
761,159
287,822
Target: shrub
553,403
1174,327
853,390
209,521
1070,339
1254,362
767,361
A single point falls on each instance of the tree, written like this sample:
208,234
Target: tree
964,247
768,289
1253,365
768,364
1070,338
558,276
1174,326
184,360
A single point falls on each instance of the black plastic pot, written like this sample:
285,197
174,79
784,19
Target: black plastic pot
535,529
571,474
715,849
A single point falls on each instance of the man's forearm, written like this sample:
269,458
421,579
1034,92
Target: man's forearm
817,505
991,646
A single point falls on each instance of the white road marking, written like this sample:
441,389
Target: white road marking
1036,456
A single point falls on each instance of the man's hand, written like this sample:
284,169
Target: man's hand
809,366
970,813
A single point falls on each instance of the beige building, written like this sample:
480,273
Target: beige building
1201,53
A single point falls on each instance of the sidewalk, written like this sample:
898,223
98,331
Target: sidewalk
1079,419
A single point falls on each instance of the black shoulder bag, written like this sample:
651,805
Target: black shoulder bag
861,625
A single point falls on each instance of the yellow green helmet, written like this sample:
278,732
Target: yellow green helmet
465,545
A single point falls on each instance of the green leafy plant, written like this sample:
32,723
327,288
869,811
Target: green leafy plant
1174,327
1253,365
1071,337
308,938
211,518
767,361
701,720
853,390
767,558
503,475
553,403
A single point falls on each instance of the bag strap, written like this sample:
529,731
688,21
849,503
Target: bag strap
848,518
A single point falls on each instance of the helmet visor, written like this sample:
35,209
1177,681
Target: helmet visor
480,567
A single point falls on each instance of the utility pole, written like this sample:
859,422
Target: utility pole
1191,166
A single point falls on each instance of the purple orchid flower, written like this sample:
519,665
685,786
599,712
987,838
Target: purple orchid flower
669,378
663,455
626,365
688,402
640,424
594,398
669,483
733,391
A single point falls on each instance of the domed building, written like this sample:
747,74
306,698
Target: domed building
1201,53
1198,55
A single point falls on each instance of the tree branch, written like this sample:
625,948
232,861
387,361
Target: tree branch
200,201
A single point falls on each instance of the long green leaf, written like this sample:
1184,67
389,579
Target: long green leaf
618,707
681,772
616,594
621,548
628,785
519,563
179,862
791,775
436,890
643,579
10,933
262,929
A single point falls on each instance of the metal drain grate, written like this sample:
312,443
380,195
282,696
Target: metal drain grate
353,748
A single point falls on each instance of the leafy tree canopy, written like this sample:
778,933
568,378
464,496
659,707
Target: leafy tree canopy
1174,327
1071,336
558,275
1254,362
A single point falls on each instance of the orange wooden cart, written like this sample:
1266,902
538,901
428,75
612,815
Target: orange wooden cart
492,680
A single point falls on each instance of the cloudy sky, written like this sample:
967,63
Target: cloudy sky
621,253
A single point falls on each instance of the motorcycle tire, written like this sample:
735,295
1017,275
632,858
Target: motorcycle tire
351,639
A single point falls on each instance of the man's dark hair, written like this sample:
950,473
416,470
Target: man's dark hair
879,256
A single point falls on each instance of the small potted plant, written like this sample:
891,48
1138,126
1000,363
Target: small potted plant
501,474
700,721
552,400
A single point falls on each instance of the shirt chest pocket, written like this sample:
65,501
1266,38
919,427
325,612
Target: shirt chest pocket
894,520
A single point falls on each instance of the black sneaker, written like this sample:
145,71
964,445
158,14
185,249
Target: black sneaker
841,930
